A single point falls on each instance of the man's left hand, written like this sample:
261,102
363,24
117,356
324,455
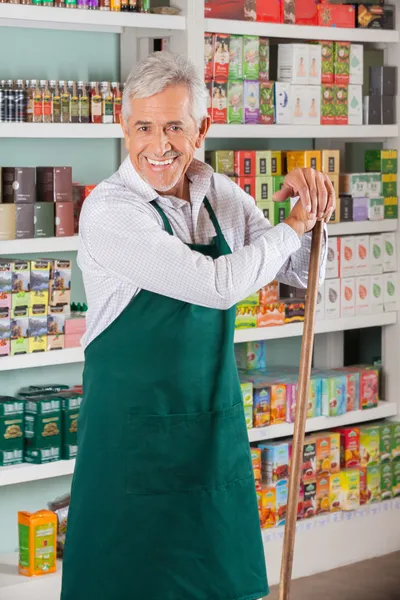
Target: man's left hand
316,192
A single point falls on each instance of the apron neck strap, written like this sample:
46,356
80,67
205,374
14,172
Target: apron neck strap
165,221
208,207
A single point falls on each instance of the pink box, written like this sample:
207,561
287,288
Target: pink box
291,398
75,325
73,340
5,305
4,347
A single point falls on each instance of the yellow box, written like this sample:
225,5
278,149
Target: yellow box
313,159
295,159
39,302
335,452
37,543
350,489
268,511
335,218
37,344
391,208
330,162
335,491
335,182
276,162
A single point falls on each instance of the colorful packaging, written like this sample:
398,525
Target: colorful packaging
221,56
222,161
356,64
330,161
268,11
69,422
333,395
261,406
336,15
236,57
396,478
208,56
376,254
386,480
11,431
362,252
389,185
293,63
247,393
373,493
389,252
283,103
251,57
256,462
327,61
235,102
385,450
264,190
310,499
274,461
313,105
362,294
322,493
248,414
348,297
306,12
37,543
376,209
363,485
300,103
349,447
332,259
315,60
350,489
395,441
263,74
251,101
263,162
355,105
309,468
369,445
369,388
267,104
376,293
246,317
335,491
278,404
347,256
391,208
268,507
277,169
341,104
332,299
281,501
335,451
219,109
245,163
209,90
342,63
383,161
42,422
248,185
328,104
389,292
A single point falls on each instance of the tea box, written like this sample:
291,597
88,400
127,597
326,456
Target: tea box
256,462
355,105
376,209
332,299
251,56
362,255
323,454
247,393
376,293
236,57
268,507
330,161
383,161
386,482
350,489
208,56
327,61
37,543
263,73
281,501
389,252
248,415
333,395
310,499
396,478
11,430
251,101
373,487
376,254
267,104
277,164
395,441
293,63
219,105
349,447
283,103
315,61
320,308
342,63
336,15
369,445
221,56
369,388
278,403
347,263
269,293
246,317
332,259
272,315
335,451
267,208
348,297
309,468
335,491
375,16
267,11
306,12
263,163
262,406
389,185
341,104
328,104
275,461
248,185
42,422
281,211
41,456
356,64
245,163
391,208
322,493
264,190
299,95
235,102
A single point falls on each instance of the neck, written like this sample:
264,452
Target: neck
180,190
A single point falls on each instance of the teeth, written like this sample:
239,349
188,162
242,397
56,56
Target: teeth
160,163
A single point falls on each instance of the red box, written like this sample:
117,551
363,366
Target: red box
349,447
268,11
64,219
336,15
306,12
208,56
219,107
224,9
209,85
248,184
245,163
221,56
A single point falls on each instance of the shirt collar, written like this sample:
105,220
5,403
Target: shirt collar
198,173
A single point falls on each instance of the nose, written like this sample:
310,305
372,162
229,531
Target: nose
160,143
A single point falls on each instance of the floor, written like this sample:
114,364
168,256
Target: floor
376,579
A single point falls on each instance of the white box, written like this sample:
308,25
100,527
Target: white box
283,103
347,256
361,266
320,307
389,252
362,293
389,292
315,55
355,100
332,298
300,102
376,254
313,104
293,63
376,293
357,64
376,209
347,297
332,259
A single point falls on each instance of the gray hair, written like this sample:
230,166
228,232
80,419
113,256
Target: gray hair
160,70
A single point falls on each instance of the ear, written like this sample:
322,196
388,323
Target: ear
203,129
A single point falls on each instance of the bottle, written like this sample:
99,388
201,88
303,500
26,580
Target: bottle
10,101
132,5
56,103
84,105
144,6
47,104
95,104
20,101
124,5
107,103
30,91
2,102
74,103
37,102
117,93
104,4
65,102
115,5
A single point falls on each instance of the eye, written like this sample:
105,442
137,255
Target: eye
175,128
143,128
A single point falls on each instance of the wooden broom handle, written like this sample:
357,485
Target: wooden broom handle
301,411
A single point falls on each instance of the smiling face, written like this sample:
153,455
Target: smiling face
161,137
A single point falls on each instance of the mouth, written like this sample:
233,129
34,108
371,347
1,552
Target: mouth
160,165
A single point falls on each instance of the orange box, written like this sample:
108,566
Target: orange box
323,454
278,403
323,493
269,294
271,315
268,518
37,543
259,501
335,452
256,462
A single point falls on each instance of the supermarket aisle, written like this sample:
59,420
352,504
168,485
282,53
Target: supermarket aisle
375,579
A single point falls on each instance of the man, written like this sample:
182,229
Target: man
163,499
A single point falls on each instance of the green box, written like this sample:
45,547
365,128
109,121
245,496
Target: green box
376,209
328,104
11,407
11,457
264,189
396,478
246,317
251,56
263,163
222,161
267,209
11,426
277,182
264,59
341,104
374,184
267,102
342,62
391,212
386,480
40,456
43,219
369,445
247,393
389,185
374,483
386,442
281,211
20,304
19,346
384,161
235,102
236,57
71,400
69,446
396,441
43,422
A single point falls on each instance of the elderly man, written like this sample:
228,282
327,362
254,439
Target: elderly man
163,498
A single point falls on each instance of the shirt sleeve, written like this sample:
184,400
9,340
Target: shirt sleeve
294,270
125,239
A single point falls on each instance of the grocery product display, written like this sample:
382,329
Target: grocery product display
142,6
35,312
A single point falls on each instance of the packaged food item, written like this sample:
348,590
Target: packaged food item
335,451
356,64
11,431
275,461
369,445
277,169
219,108
328,104
267,104
268,507
333,395
278,403
264,190
350,489
222,161
251,56
246,317
215,9
347,256
306,12
385,442
263,163
37,543
376,209
341,104
70,404
221,56
256,462
327,62
369,387
373,483
375,16
309,468
383,161
235,102
42,422
389,252
332,299
376,254
310,499
322,493
395,441
376,293
245,163
281,501
391,208
252,101
389,185
271,315
335,491
261,406
263,74
323,454
396,478
283,103
300,104
336,15
268,11
348,297
386,480
247,393
349,447
293,63
236,57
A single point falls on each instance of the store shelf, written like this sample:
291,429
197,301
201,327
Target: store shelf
25,473
41,359
363,227
349,132
324,326
59,130
301,32
39,245
14,15
273,432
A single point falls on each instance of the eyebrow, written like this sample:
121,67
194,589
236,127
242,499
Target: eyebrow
141,123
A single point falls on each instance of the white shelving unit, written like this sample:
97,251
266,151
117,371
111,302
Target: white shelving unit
59,130
39,245
363,227
326,132
41,359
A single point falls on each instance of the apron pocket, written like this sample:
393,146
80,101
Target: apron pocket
186,453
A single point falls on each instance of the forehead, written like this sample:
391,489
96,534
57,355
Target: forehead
172,104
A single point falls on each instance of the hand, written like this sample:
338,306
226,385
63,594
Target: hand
317,198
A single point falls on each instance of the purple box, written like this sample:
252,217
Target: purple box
360,209
291,399
251,101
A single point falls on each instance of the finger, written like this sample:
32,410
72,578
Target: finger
331,203
328,215
285,192
322,195
311,178
299,186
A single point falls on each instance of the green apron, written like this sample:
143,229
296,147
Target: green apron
163,496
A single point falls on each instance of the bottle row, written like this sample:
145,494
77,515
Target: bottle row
142,6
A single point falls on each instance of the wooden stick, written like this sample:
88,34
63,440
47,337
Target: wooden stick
301,412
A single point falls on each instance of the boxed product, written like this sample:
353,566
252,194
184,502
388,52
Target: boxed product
328,104
389,252
334,179
348,297
362,253
235,102
396,478
37,543
248,185
384,161
376,293
7,222
219,108
277,167
350,493
360,209
356,64
310,499
245,163
376,209
313,105
389,292
386,481
330,161
268,510
5,333
5,304
24,215
222,161
40,275
252,101
333,395
346,207
323,454
264,191
256,463
349,447
369,387
42,422
267,208
376,254
327,61
278,403
322,493
372,476
336,15
294,63
335,491
19,185
235,57
64,219
332,299
225,9
299,104
391,208
369,445
263,73
355,105
221,56
347,256
69,422
309,468
11,431
389,185
382,81
362,293
375,16
246,318
335,451
341,104
267,103
332,259
263,162
320,308
54,184
261,406
373,110
38,304
267,11
342,63
40,456
251,56
315,59
208,56
272,315
385,449
306,12
395,441
275,461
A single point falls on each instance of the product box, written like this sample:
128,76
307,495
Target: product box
356,64
389,292
350,494
20,304
43,219
341,104
263,73
219,108
342,63
376,293
330,161
332,299
382,81
37,543
385,442
40,275
335,451
275,461
40,456
37,344
278,404
247,393
375,17
20,275
221,56
256,463
299,104
360,209
55,324
369,387
267,209
264,190
369,445
60,275
281,211
373,110
251,57
384,161
333,395
347,256
222,161
327,61
267,11
306,12
373,481
332,259
55,342
309,468
335,490
209,89
315,61
389,252
54,184
283,103
5,276
19,185
277,166
362,255
37,326
320,308
69,424
262,406
38,304
248,185
328,104
294,63
43,422
246,318
7,222
348,297
396,478
310,499
389,185
235,102
391,208
374,185
263,162
208,56
5,333
355,105
362,293
395,441
225,9
334,179
313,105
386,482
336,15
11,431
323,454
322,495
388,110
24,215
376,209
267,103
349,447
64,219
252,101
269,293
245,163
355,184
376,254
5,304
235,57
268,510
